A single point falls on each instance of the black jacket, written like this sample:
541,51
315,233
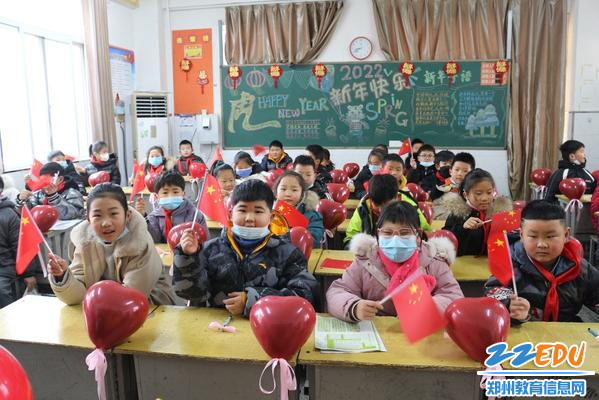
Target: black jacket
323,176
111,166
320,189
532,286
75,177
181,164
424,176
364,176
268,163
568,170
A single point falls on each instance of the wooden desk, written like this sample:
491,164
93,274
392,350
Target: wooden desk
351,204
586,198
583,227
165,253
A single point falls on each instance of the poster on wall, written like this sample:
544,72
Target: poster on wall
192,71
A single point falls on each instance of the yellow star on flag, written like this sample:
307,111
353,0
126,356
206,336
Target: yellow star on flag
413,289
512,213
499,242
25,220
140,173
281,208
210,190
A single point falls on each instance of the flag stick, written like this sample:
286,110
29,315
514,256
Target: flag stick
198,204
511,264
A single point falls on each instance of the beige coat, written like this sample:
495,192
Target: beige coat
136,261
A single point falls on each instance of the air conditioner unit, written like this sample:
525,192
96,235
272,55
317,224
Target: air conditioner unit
150,122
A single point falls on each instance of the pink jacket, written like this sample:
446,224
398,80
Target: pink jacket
358,283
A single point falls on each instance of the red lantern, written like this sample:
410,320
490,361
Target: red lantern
275,71
319,71
185,66
501,68
406,69
452,68
235,73
203,79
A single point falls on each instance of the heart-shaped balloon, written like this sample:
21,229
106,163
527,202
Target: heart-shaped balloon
540,176
270,178
518,204
573,188
113,312
596,175
197,170
44,217
98,177
302,239
174,236
282,324
338,191
351,169
333,213
149,180
339,176
14,383
427,210
289,167
445,234
474,323
277,171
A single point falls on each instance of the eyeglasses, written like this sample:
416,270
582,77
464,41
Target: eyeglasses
402,233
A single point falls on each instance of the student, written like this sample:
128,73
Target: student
156,162
63,194
461,165
375,163
384,261
474,204
552,278
76,172
187,158
595,217
383,148
102,160
247,262
172,209
112,244
291,188
305,166
316,151
411,159
10,191
225,175
572,165
245,165
327,164
394,165
443,160
276,157
425,168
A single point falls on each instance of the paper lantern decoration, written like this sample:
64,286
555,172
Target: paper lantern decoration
406,69
501,68
275,71
452,68
203,79
319,71
185,66
235,73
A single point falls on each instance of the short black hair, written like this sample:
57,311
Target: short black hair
382,188
304,160
184,142
169,178
327,154
417,141
276,143
52,168
220,167
55,153
300,180
316,150
466,158
399,212
472,178
376,153
242,155
444,156
97,146
253,190
382,147
543,210
425,147
393,157
569,147
107,190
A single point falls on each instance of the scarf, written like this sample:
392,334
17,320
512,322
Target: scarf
399,272
156,170
168,222
486,227
187,161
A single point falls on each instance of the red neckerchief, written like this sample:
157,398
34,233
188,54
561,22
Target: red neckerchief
570,252
486,227
188,161
94,160
440,177
156,170
374,214
168,223
399,272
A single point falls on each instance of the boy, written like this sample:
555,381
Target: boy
383,148
461,165
375,163
304,165
572,165
247,262
276,157
172,209
394,166
316,151
424,168
443,160
187,158
76,172
327,164
553,280
63,193
411,159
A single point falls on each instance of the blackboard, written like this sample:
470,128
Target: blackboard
363,104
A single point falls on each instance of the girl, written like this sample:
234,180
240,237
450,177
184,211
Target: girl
375,163
384,262
245,165
114,244
102,160
156,162
225,176
468,209
291,188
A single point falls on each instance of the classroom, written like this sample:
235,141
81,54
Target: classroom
299,199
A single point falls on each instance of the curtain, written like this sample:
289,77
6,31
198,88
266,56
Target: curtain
290,33
98,70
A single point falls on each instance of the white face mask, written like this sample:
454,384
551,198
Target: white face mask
104,157
250,232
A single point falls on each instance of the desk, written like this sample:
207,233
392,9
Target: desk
59,238
165,253
583,227
351,204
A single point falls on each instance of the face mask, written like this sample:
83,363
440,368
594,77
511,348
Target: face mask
124,233
155,161
104,157
170,203
250,233
373,168
427,164
577,162
63,164
397,248
243,172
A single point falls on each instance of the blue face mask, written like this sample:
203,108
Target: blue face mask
243,172
170,203
397,248
155,161
373,168
63,164
427,164
250,233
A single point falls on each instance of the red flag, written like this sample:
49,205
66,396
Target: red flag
366,186
291,214
417,311
37,183
217,156
30,239
258,149
138,180
36,168
211,203
406,148
500,261
506,221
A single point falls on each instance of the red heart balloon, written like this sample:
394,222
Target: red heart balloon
572,188
427,210
44,217
333,213
282,324
474,323
99,177
446,234
414,190
351,169
289,167
197,170
174,236
518,204
338,191
540,176
596,175
339,176
302,239
149,180
113,312
270,177
277,172
14,383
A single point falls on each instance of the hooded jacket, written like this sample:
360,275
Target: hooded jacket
566,169
111,166
68,202
269,163
181,214
181,164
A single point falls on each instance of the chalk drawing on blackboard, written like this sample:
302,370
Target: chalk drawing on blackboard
229,82
331,129
354,118
245,107
381,127
303,78
484,118
255,79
